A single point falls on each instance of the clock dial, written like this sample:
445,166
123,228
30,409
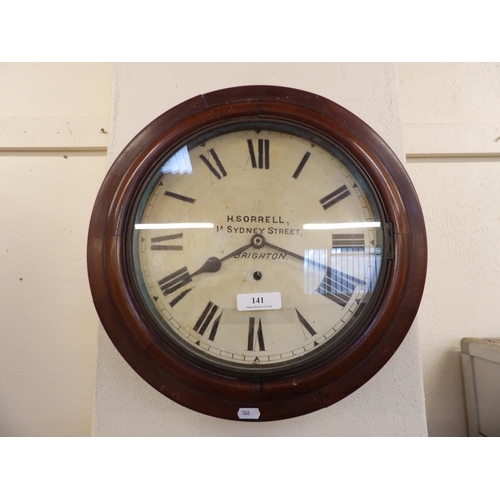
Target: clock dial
264,212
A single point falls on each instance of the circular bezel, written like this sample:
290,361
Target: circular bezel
226,367
303,387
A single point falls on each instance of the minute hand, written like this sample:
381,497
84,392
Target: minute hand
340,274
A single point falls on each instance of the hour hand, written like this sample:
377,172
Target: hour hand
213,264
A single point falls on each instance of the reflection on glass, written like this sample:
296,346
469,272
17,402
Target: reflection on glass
315,261
342,225
176,225
339,272
179,163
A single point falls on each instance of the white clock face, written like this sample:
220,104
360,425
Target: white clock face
256,247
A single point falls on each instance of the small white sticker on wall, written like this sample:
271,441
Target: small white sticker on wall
248,413
253,301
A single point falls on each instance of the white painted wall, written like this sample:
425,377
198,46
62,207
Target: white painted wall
391,403
48,328
451,115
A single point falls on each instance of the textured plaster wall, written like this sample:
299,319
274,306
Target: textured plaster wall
391,404
449,92
48,328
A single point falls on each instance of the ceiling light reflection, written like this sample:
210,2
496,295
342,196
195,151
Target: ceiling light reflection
176,225
342,225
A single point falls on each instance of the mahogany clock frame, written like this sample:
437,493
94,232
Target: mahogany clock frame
176,374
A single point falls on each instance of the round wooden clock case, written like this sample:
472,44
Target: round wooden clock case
257,253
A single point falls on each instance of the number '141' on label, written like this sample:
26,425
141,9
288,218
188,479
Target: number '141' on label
254,301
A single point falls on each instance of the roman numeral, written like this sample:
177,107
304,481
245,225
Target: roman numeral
155,242
261,159
173,282
335,197
204,321
305,324
251,336
352,240
336,286
179,297
298,170
179,197
218,170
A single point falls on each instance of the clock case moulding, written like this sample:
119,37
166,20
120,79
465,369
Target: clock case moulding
289,392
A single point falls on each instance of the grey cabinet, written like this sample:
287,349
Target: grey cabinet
481,369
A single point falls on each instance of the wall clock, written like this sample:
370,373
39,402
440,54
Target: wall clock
257,253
